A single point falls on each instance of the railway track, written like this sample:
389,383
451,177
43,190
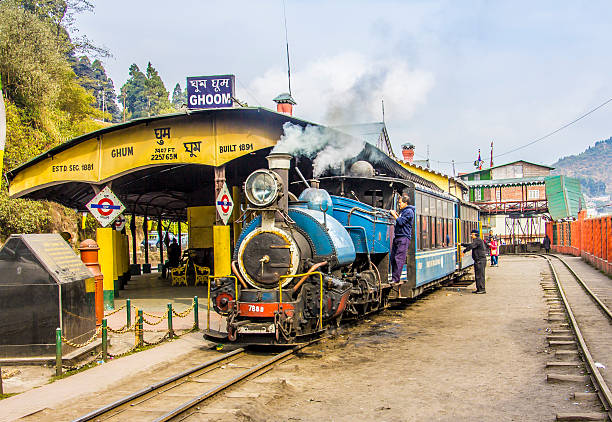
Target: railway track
590,322
178,397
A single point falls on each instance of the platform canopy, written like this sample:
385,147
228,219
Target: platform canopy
158,165
161,165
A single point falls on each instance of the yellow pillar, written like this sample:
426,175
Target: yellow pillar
126,254
236,213
222,250
106,258
116,260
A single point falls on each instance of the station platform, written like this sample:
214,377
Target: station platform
152,294
450,355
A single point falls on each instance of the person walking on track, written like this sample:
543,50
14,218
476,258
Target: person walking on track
479,255
404,221
546,243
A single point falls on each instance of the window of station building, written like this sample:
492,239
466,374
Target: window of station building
533,194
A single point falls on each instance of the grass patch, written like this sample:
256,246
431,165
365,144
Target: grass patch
6,396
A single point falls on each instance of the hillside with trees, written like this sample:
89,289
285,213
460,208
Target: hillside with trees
592,167
55,88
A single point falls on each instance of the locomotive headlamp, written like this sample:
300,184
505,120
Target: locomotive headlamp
262,188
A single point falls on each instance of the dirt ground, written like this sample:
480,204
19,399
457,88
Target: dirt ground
449,356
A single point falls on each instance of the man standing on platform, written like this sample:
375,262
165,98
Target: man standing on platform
174,254
479,255
404,221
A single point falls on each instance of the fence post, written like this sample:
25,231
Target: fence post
139,329
196,316
1,390
104,340
58,352
128,308
170,332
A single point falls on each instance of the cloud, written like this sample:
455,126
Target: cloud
348,88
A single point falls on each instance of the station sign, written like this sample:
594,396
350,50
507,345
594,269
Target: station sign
105,207
210,91
225,204
119,223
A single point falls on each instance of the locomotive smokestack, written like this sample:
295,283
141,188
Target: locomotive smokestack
280,164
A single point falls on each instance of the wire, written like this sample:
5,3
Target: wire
535,140
249,92
557,130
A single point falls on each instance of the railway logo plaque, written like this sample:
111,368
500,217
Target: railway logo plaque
119,223
225,204
105,207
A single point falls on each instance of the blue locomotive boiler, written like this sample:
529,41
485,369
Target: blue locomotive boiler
300,265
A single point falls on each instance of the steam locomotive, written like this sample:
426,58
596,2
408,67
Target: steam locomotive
302,264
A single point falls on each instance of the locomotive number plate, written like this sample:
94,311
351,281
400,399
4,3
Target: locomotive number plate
256,308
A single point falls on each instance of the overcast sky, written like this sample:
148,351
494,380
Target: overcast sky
454,75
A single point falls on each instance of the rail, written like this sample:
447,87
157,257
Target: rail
602,388
150,390
253,371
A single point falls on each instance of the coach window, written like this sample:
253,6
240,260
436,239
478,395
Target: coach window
417,231
424,232
417,203
425,204
432,231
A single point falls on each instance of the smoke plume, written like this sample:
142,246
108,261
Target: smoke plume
326,147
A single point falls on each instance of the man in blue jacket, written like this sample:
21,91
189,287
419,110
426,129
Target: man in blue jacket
404,222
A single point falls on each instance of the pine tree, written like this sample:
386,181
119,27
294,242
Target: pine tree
156,92
106,85
179,98
134,94
92,77
145,95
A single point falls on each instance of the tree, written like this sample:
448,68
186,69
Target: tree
156,92
92,77
45,104
134,93
179,97
145,95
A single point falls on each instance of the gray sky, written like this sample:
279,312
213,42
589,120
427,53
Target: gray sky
454,75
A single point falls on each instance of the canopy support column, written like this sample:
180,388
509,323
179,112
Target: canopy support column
160,236
221,232
145,229
134,245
